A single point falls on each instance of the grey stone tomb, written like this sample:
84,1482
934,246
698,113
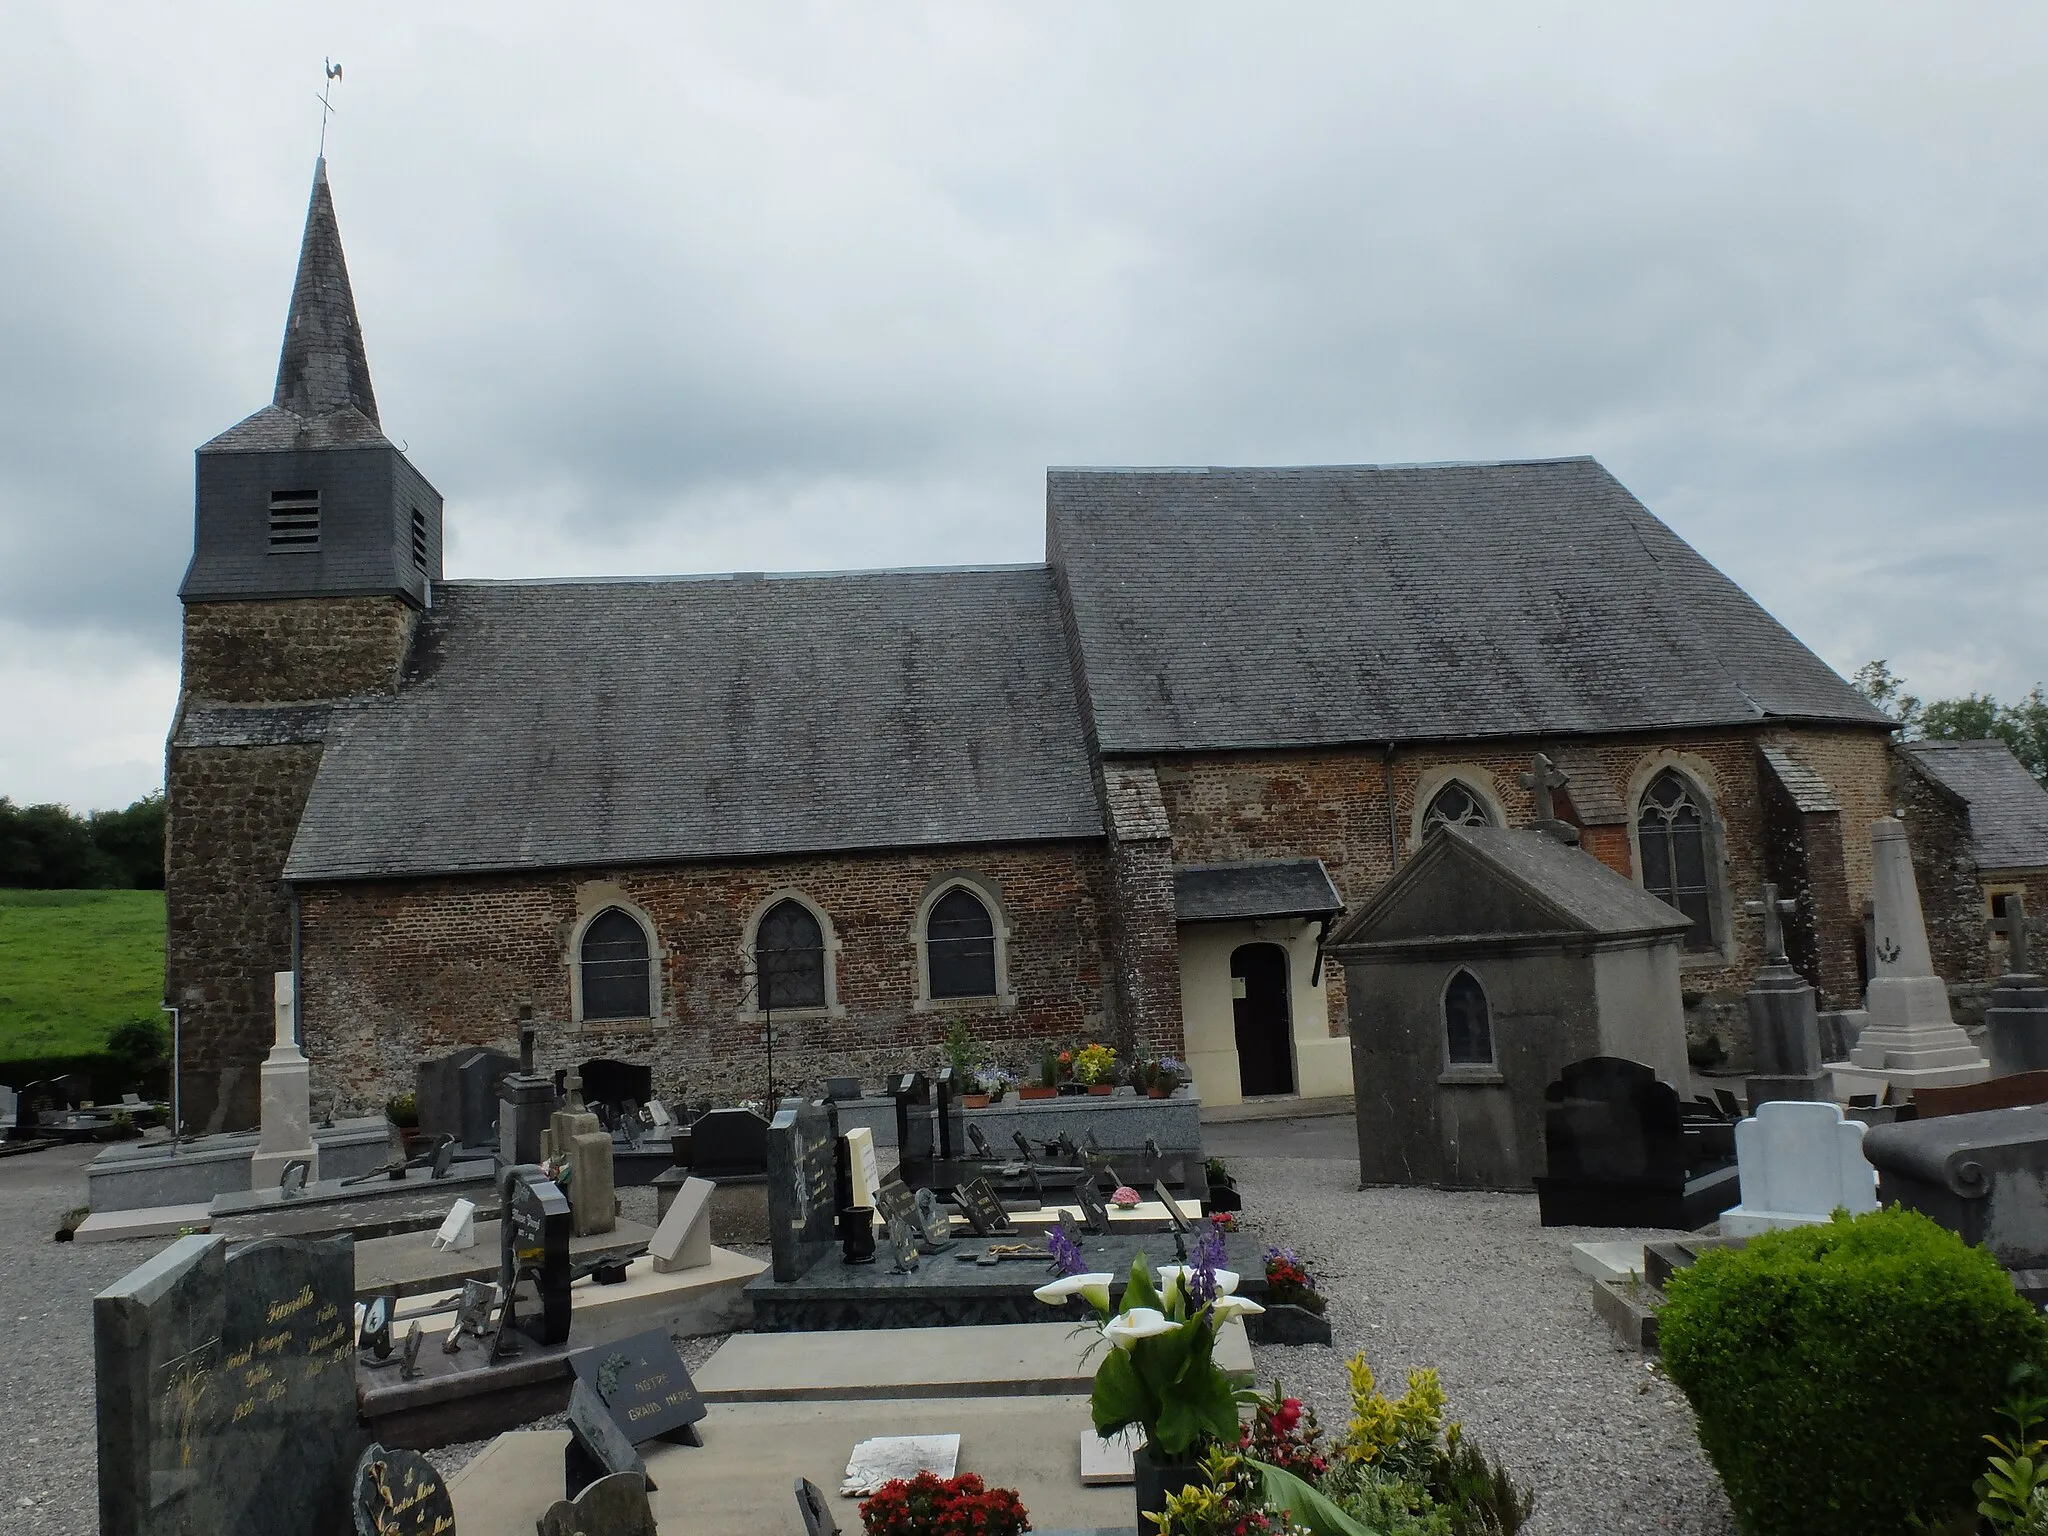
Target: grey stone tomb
227,1390
1984,1176
1784,1020
2017,1020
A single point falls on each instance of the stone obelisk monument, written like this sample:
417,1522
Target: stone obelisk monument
2018,1017
287,1115
1912,1040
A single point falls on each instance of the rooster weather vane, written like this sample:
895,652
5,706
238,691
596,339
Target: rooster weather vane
326,106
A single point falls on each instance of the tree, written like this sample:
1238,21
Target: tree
132,842
46,847
1974,717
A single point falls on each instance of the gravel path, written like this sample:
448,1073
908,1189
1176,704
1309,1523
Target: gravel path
1471,1284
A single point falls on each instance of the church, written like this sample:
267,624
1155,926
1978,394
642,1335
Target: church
1122,794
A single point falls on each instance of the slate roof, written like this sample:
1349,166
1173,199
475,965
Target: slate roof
254,725
1809,791
1580,892
582,724
1207,893
1260,608
2008,809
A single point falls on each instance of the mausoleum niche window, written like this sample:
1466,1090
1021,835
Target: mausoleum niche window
789,957
1671,831
1455,805
617,983
1468,1022
960,946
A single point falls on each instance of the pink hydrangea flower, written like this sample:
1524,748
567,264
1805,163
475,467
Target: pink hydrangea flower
1124,1198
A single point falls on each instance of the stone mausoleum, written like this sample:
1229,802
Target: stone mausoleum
1122,793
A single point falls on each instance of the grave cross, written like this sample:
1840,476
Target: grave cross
1542,777
1773,911
2011,926
527,1034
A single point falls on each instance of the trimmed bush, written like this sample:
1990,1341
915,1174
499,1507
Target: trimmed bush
1844,1375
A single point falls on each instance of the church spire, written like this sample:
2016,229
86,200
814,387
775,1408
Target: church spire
323,366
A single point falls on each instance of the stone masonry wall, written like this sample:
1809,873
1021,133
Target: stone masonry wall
394,972
1333,805
231,815
286,652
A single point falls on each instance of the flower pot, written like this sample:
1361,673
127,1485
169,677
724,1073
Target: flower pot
1101,1090
1037,1093
1157,1478
974,1101
1158,1093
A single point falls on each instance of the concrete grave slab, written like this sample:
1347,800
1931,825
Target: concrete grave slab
151,1221
1608,1260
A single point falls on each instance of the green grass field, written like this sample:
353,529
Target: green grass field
75,965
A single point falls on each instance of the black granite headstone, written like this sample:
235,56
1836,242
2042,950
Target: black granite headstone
226,1389
477,1081
727,1143
983,1210
534,1244
1094,1214
644,1384
894,1202
913,1117
597,1445
816,1513
399,1493
612,1083
1619,1153
802,1198
952,1120
932,1223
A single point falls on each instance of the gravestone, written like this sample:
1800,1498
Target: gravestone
983,1210
727,1143
644,1384
593,1194
614,1084
526,1099
904,1243
894,1202
2017,1020
437,1092
597,1445
841,1089
815,1512
1799,1162
658,1115
615,1505
1094,1214
287,1114
6,1104
683,1240
374,1339
400,1493
1619,1155
533,1243
913,1117
950,1115
1984,1176
802,1203
863,1168
1784,1019
478,1081
227,1390
932,1223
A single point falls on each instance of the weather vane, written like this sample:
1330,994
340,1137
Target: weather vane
326,106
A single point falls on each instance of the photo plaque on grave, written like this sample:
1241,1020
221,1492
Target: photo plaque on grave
903,1244
933,1225
894,1202
1094,1213
984,1212
597,1446
400,1493
645,1385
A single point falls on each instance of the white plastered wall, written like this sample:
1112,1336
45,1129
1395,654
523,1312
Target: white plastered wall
1322,1065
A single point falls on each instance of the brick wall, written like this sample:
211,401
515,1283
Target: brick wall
231,815
394,972
306,648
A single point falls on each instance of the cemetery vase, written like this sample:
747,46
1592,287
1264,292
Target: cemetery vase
974,1100
1156,1478
1037,1093
1102,1090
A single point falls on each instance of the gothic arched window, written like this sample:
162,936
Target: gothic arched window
1468,1022
616,968
1455,805
1671,830
960,946
789,957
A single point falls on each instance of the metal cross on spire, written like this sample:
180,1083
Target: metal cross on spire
326,106
1774,912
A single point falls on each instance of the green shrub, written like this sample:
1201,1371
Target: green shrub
1844,1375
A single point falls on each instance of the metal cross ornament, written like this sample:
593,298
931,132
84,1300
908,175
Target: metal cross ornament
1774,912
2011,926
1542,777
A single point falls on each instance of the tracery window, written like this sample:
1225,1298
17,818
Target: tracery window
1671,831
960,946
789,957
1455,805
1468,1022
617,968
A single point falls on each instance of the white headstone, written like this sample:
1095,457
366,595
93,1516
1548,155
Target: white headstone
287,1115
860,1161
459,1230
657,1112
1800,1162
683,1240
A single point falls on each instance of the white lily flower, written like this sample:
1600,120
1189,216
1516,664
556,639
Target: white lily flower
1227,1307
1091,1288
1181,1277
1139,1323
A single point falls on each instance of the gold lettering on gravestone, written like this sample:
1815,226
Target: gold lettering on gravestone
410,1492
280,1310
187,1380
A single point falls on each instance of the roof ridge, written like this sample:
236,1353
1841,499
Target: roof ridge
1316,469
679,578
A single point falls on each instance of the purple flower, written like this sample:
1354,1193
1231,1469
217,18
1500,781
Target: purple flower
1066,1254
1208,1258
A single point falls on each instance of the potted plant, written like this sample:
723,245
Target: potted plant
402,1112
1067,1083
1159,1371
1166,1078
965,1057
929,1505
998,1083
1294,1308
1095,1069
1223,1194
1048,1083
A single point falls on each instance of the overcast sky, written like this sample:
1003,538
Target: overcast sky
785,286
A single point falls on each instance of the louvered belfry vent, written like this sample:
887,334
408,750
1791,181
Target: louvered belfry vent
294,522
